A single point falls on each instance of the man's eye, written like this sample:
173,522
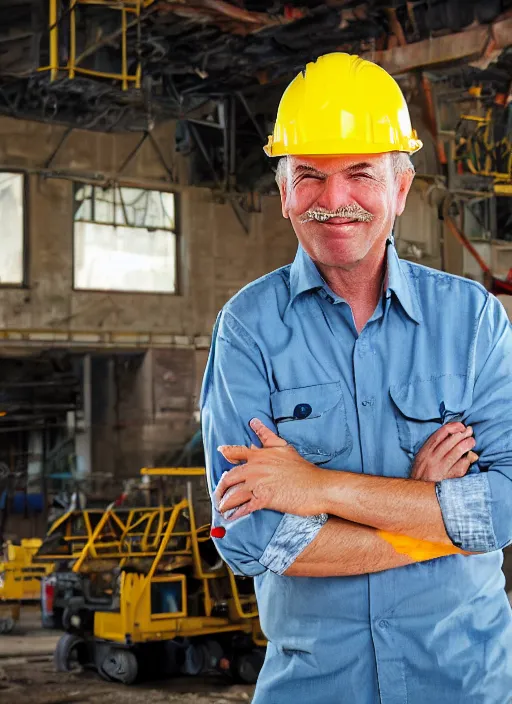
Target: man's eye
361,175
311,176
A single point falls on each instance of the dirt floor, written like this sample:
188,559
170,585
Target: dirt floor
27,675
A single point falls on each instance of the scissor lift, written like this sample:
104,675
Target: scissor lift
20,581
175,607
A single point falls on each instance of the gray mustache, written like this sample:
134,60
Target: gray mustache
354,212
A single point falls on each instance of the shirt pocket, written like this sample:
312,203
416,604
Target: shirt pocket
423,405
313,420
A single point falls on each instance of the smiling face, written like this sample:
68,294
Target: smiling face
342,208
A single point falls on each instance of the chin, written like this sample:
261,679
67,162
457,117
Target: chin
339,247
335,254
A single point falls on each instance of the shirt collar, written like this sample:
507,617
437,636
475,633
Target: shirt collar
304,276
397,282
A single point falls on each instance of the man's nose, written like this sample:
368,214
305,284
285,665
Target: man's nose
334,193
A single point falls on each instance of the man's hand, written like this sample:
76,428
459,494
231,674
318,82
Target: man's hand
274,477
446,454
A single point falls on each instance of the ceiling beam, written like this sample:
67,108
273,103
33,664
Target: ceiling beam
449,48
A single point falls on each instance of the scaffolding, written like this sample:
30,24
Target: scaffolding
130,16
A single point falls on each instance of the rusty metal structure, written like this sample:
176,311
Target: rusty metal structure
219,67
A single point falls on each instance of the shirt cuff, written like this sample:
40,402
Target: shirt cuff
292,536
466,507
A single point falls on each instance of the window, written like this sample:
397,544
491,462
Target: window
13,228
124,239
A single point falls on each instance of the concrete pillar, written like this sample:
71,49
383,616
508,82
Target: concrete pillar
83,435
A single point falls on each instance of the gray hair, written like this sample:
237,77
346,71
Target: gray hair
401,162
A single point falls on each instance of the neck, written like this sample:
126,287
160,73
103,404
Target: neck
360,286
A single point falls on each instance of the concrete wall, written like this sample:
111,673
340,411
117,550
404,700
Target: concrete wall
217,256
150,409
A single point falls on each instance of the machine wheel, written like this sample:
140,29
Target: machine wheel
247,666
7,625
47,621
201,657
70,654
119,665
174,657
72,620
195,660
66,624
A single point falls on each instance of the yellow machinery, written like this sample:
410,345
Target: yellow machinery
483,146
175,607
20,580
64,543
88,547
26,569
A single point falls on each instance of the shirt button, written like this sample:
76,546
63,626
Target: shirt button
383,623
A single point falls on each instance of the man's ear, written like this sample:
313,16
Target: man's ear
405,180
284,198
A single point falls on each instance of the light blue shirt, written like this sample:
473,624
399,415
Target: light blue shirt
437,348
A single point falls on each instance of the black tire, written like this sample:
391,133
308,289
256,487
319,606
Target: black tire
195,660
48,621
7,625
120,665
70,654
66,619
57,618
248,666
174,657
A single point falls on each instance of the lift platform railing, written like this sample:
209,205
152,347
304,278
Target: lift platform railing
245,606
130,14
111,534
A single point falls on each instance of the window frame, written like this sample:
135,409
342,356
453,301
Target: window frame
176,232
24,283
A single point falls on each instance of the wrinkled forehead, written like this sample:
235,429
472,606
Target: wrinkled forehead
328,165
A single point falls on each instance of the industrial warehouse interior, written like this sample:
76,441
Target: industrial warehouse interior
136,199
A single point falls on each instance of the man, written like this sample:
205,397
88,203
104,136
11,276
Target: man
355,361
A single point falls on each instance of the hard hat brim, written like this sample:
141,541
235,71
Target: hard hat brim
332,148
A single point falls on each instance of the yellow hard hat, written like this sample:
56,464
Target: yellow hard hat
342,104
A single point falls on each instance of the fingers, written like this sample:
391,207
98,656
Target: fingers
461,467
265,435
235,453
457,452
235,496
228,479
241,511
449,446
444,432
451,441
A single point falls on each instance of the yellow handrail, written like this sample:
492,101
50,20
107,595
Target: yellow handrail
90,542
173,471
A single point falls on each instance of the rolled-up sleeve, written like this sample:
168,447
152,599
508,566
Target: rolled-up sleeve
477,508
236,389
